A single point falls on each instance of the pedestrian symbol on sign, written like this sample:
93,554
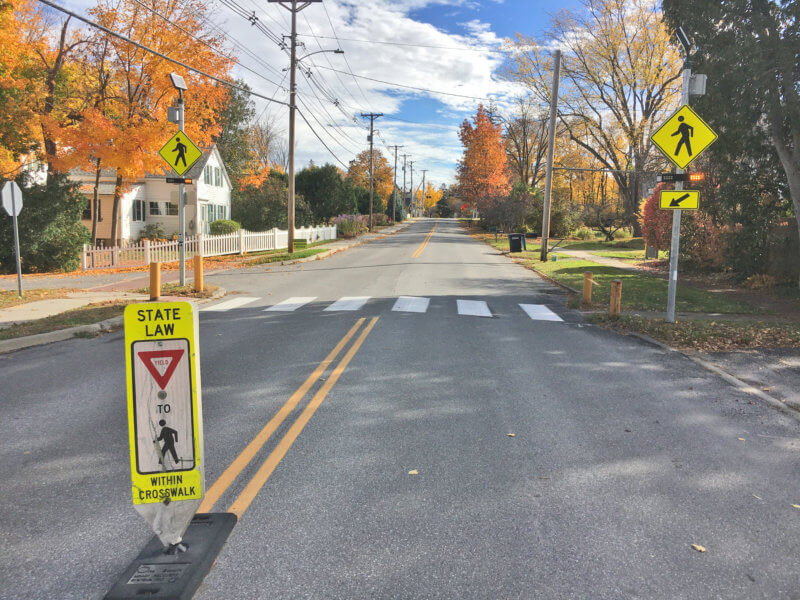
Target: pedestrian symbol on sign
180,148
686,132
170,437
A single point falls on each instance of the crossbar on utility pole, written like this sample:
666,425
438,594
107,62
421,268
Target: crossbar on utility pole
372,117
394,189
551,145
292,7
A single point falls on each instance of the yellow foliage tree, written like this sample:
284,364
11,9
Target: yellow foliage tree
358,173
619,81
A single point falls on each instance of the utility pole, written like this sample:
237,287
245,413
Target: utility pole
292,7
411,164
372,117
405,157
422,194
551,145
394,189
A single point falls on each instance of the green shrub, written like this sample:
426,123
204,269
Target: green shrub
350,226
153,231
583,233
50,229
223,226
379,219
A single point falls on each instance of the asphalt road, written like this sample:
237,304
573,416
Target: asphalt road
622,455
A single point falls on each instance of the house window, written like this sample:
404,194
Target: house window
138,210
172,209
207,175
217,181
155,209
87,212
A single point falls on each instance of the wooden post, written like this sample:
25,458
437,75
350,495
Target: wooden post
198,273
84,260
588,281
155,280
616,299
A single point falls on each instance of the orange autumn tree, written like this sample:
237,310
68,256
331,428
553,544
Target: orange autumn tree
483,174
19,85
358,173
125,130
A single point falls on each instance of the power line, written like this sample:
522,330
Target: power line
319,138
156,53
462,49
411,87
347,62
215,50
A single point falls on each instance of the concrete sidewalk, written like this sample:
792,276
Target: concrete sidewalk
31,311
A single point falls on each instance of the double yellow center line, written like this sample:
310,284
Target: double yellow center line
424,243
253,487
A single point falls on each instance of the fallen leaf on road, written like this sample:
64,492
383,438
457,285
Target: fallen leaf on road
511,434
698,547
413,472
796,505
741,439
759,497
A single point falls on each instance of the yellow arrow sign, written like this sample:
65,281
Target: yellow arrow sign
683,137
180,152
680,199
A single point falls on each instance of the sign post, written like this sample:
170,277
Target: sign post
12,202
165,418
682,138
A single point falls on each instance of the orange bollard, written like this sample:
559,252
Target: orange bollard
155,281
198,273
588,281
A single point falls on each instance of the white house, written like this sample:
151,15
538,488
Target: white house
153,200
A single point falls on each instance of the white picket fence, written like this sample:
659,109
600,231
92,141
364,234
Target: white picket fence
145,252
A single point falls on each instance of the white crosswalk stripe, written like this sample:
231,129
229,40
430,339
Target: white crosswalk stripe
348,303
412,304
229,304
539,312
291,304
473,308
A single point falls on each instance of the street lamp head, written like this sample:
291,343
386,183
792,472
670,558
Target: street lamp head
177,81
338,51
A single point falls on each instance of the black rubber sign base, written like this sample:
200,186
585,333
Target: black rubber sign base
158,575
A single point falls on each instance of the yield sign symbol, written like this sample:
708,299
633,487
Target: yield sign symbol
149,358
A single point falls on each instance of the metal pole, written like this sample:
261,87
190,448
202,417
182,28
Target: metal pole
16,239
551,145
292,108
394,188
181,204
405,159
674,248
422,194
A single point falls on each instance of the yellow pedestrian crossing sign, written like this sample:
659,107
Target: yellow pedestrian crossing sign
683,137
680,199
180,152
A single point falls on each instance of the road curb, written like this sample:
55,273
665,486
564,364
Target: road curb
790,408
60,335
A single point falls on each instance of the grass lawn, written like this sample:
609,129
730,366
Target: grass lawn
92,313
708,336
9,298
176,289
282,256
640,291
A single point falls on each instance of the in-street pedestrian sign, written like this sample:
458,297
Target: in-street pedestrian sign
164,415
180,152
683,137
680,199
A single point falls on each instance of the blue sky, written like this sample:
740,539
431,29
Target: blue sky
439,45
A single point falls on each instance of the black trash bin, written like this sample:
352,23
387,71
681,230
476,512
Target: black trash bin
516,241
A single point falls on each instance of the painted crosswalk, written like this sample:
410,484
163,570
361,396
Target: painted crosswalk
226,305
473,308
412,304
402,304
291,304
349,303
